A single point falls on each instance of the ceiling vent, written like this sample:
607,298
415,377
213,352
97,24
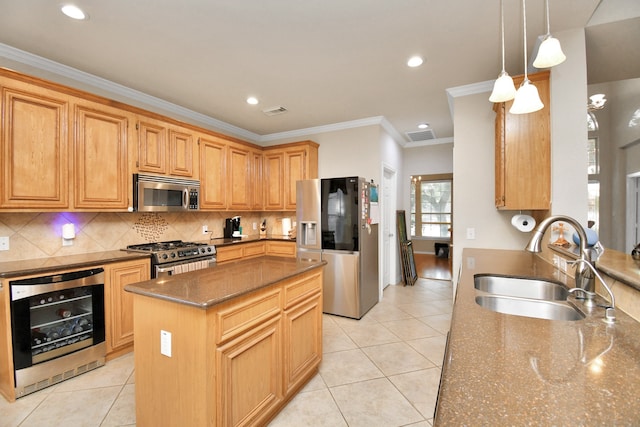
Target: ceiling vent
274,111
421,135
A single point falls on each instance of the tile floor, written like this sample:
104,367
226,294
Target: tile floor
382,370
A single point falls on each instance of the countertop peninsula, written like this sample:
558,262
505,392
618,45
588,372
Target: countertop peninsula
504,369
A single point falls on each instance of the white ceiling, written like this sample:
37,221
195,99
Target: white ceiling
325,61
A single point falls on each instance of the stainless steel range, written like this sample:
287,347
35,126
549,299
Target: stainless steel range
175,256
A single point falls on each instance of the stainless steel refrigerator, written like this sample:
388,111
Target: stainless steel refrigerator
334,224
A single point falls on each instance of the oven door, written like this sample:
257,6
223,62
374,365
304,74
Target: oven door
174,268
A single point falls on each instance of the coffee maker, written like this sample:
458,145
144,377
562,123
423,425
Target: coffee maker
232,228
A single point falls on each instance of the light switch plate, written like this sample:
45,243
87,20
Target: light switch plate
4,243
165,343
471,233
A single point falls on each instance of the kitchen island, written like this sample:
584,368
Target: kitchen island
502,369
228,345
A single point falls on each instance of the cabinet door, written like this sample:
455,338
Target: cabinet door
213,171
294,170
181,153
274,181
101,176
257,181
303,340
281,248
152,147
34,148
119,303
239,175
249,368
523,154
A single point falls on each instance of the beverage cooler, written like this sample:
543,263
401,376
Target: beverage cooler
57,327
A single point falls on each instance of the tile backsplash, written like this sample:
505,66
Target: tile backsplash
39,235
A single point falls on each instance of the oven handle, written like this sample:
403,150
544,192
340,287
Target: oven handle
164,271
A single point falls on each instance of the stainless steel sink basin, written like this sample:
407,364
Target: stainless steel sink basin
539,309
520,287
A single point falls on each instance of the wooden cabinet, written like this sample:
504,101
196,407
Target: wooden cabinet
239,251
101,178
257,180
239,177
213,171
302,330
281,248
274,180
165,149
284,165
523,153
119,304
34,147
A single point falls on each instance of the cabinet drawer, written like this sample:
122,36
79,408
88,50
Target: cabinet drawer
299,290
235,318
284,249
228,253
253,249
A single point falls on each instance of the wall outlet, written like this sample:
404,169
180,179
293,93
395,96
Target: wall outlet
4,243
471,233
255,225
205,229
165,343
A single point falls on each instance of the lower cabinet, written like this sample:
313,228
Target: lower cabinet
281,248
119,304
238,251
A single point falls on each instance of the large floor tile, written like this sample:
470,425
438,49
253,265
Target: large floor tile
374,403
439,322
84,408
12,414
349,366
314,408
410,329
396,358
115,372
123,411
432,348
370,334
336,341
420,388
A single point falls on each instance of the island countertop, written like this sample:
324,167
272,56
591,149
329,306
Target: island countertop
504,369
211,286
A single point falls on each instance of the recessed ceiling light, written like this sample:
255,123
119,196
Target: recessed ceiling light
415,61
423,125
73,12
252,100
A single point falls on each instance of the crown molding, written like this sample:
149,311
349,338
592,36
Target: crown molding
466,90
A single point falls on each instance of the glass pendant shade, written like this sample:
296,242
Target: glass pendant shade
549,53
503,88
527,99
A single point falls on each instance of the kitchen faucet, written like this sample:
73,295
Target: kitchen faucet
585,271
584,276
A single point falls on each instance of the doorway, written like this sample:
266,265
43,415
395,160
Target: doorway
389,252
633,212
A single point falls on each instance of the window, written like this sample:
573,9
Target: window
430,198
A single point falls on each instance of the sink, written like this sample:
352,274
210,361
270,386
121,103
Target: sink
522,287
540,309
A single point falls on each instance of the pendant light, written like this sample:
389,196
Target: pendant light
549,53
503,89
527,99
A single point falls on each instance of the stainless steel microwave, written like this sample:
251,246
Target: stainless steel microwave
162,194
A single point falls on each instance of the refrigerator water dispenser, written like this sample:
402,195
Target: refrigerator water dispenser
309,234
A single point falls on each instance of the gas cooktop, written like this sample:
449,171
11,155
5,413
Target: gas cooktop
174,250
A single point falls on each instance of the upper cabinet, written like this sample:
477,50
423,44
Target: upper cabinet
283,166
34,147
62,149
165,149
523,153
101,179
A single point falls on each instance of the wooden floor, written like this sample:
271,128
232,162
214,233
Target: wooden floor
429,266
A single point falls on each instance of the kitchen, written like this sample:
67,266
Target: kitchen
335,156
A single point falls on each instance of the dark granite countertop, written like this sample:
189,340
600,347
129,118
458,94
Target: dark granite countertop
52,264
214,285
248,239
511,370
